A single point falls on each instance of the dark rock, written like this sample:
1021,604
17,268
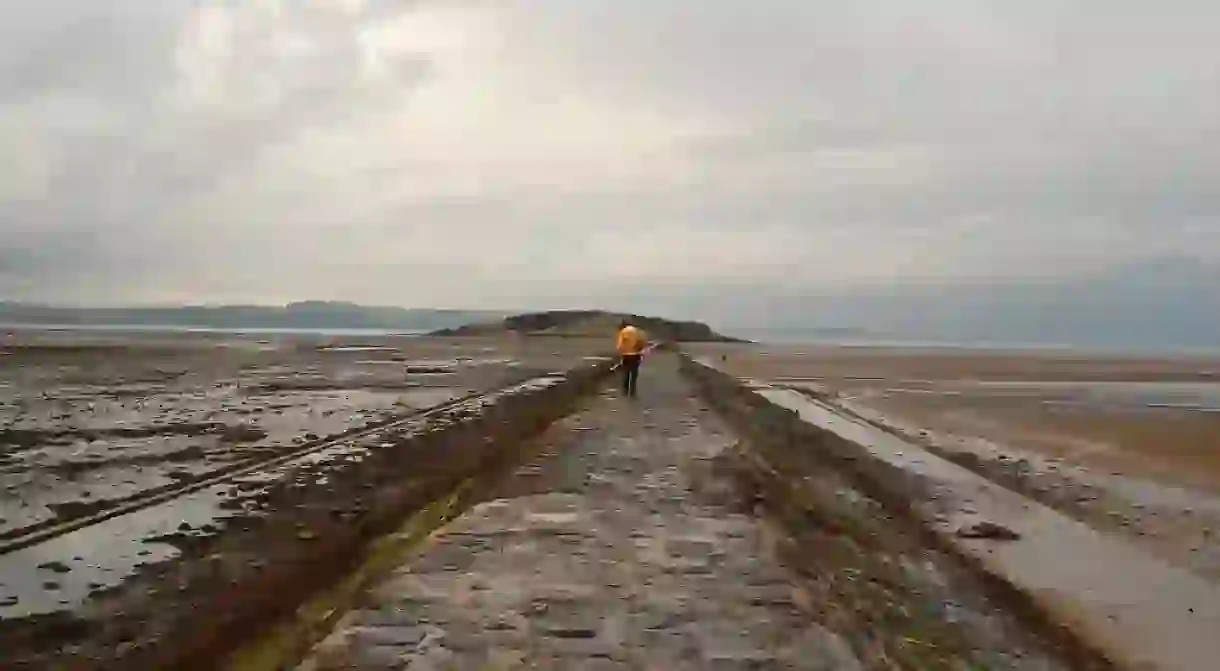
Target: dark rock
429,370
76,509
57,567
988,530
571,631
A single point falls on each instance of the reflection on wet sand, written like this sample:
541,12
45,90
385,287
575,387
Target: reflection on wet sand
90,422
1129,445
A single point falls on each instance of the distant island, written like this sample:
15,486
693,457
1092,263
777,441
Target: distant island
305,315
585,323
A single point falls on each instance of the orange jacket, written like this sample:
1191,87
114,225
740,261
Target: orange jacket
630,340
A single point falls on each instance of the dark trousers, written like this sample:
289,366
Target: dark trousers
631,372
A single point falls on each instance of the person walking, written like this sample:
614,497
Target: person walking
630,345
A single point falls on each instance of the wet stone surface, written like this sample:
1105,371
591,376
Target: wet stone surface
625,544
597,555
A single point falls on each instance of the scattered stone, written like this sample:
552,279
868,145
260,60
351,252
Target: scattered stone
307,535
988,530
55,567
570,631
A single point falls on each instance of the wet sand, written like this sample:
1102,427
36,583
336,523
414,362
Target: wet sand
1129,445
309,432
88,419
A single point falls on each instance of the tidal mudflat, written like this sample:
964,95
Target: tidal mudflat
1130,445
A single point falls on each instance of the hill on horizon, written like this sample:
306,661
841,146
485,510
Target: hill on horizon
588,323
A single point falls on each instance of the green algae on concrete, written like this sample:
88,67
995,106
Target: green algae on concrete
285,642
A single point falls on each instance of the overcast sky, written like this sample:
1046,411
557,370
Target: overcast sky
551,153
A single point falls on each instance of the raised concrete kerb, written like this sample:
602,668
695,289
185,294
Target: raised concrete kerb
1138,610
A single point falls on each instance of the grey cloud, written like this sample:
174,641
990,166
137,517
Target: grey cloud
959,136
149,157
111,47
